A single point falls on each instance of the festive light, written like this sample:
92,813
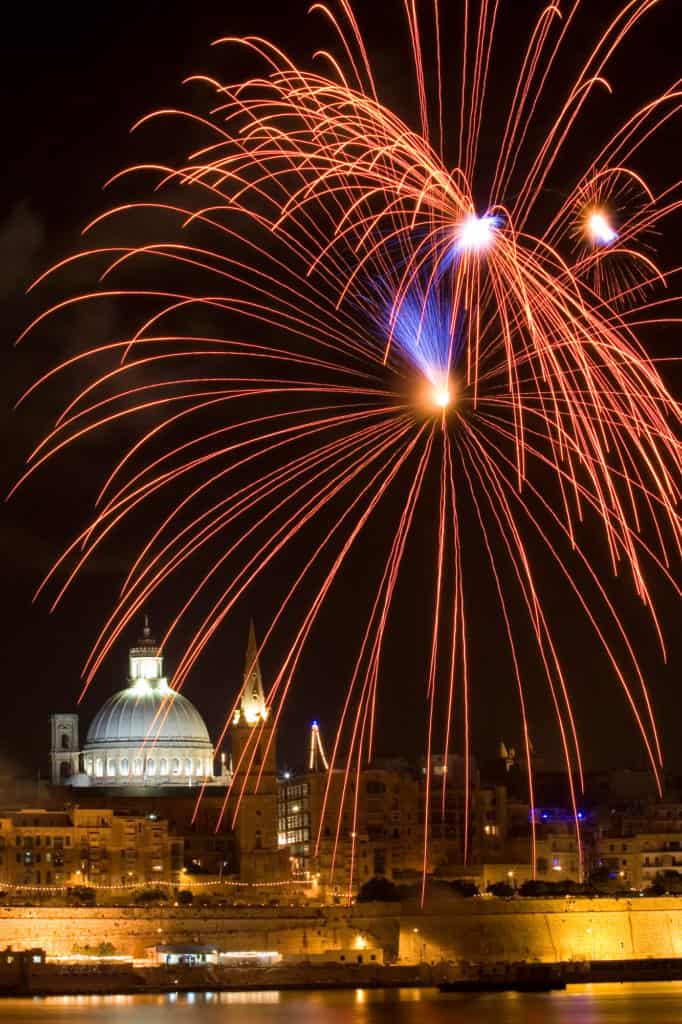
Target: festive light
476,233
600,230
441,397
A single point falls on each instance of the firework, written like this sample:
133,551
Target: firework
401,329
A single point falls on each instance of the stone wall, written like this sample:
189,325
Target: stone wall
552,930
479,929
61,930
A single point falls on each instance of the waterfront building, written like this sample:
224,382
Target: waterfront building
332,834
642,843
86,846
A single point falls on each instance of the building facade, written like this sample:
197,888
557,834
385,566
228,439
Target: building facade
86,846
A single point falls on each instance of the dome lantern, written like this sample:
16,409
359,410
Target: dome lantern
146,664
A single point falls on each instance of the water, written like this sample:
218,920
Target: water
642,1003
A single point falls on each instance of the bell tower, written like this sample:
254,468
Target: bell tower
252,736
64,748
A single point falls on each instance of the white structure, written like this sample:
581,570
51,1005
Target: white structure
145,735
64,748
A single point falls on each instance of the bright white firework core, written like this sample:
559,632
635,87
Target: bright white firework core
599,229
441,396
476,232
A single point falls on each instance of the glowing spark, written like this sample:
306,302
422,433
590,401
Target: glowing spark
476,233
441,396
599,229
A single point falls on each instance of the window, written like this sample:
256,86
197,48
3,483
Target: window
163,766
198,766
151,766
137,766
176,766
123,767
65,741
99,767
111,767
188,766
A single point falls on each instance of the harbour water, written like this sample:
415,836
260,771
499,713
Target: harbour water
650,1002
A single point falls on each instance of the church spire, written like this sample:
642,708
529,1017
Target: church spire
252,708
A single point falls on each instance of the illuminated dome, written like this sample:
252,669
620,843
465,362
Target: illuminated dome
148,713
147,734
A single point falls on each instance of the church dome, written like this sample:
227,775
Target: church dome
144,712
148,734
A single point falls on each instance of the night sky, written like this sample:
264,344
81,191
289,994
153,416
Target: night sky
75,79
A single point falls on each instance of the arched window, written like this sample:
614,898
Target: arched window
176,766
88,766
188,766
111,767
207,769
66,741
99,767
137,766
163,766
123,767
151,766
198,766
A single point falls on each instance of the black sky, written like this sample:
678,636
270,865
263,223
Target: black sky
74,80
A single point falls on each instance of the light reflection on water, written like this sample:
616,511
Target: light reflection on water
643,1003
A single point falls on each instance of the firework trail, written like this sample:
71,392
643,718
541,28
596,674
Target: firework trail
400,328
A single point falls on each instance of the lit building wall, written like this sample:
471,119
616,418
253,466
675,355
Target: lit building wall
86,847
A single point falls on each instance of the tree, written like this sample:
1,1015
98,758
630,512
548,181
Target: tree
379,890
534,888
465,889
502,890
671,881
150,896
82,895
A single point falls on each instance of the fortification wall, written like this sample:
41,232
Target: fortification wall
61,930
551,930
481,929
